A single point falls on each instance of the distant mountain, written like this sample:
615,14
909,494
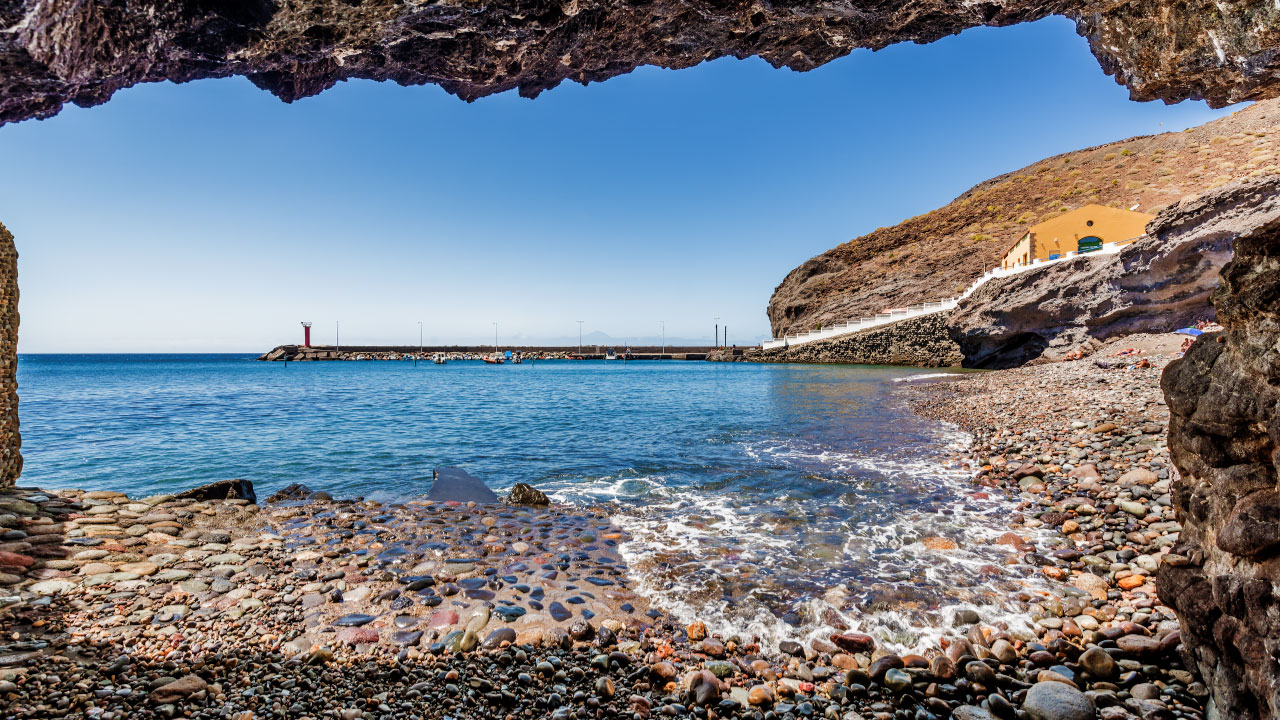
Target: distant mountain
937,254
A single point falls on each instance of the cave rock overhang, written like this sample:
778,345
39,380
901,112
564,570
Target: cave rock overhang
54,52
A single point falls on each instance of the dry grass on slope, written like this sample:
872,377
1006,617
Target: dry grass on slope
937,254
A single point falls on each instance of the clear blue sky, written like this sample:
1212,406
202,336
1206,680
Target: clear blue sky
212,217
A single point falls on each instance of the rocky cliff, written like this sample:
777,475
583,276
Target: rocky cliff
1157,284
1224,437
10,438
57,51
938,254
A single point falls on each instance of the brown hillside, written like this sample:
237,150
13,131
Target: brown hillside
938,254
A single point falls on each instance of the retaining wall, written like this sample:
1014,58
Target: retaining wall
920,341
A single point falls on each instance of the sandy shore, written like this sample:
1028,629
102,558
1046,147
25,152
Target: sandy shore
119,608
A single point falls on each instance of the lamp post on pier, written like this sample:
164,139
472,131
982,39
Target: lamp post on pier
717,342
415,359
495,337
579,338
664,338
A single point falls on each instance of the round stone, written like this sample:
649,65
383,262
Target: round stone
1058,701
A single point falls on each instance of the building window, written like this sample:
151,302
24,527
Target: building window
1089,244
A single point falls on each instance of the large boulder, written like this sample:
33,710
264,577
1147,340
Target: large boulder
456,485
1223,575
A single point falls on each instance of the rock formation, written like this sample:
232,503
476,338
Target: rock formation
1223,576
1157,284
526,494
57,51
939,253
10,438
221,490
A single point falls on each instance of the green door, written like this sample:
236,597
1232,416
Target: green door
1089,244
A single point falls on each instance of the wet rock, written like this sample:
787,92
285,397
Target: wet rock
292,492
1098,663
496,638
357,636
456,485
854,642
525,494
897,680
221,490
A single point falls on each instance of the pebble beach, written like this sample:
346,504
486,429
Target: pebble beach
303,606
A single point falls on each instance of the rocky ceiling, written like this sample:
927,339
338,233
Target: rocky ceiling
81,51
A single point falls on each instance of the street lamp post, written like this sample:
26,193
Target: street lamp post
415,359
337,335
717,342
664,337
495,337
579,338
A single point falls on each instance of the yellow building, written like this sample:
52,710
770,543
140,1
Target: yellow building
1079,231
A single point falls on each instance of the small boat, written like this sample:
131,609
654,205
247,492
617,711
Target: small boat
493,360
610,355
439,359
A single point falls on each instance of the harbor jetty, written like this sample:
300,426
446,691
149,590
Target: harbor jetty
476,352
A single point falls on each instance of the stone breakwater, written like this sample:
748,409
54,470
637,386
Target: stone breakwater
922,342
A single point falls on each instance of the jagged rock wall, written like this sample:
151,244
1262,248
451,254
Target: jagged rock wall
1157,284
58,51
1223,576
921,341
10,439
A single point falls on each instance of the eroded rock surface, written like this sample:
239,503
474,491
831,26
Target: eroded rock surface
58,51
1157,284
1224,436
10,439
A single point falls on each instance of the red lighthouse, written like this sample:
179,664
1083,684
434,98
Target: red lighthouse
306,334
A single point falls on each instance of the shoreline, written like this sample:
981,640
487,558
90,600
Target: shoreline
176,607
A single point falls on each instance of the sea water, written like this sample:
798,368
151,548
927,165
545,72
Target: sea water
770,501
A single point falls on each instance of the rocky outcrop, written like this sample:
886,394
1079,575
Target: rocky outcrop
57,51
221,490
921,341
1157,284
526,494
1223,576
456,485
938,254
10,438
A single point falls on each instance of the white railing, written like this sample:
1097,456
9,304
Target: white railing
929,308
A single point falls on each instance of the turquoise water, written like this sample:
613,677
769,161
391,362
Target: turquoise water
752,490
